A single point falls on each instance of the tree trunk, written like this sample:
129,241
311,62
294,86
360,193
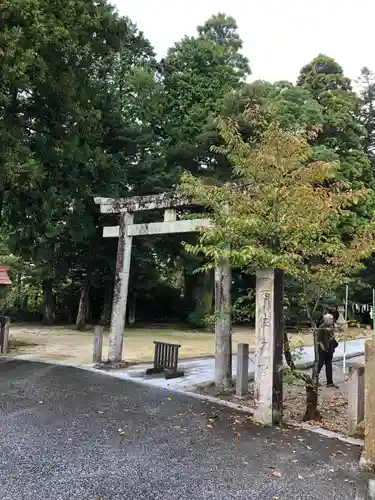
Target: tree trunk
26,301
105,316
200,293
288,353
49,306
132,309
83,307
312,412
311,383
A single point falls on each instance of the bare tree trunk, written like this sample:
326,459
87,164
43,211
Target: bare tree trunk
288,353
312,412
107,304
132,309
199,294
49,306
83,307
311,383
312,387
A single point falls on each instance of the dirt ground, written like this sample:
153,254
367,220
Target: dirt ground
69,345
333,402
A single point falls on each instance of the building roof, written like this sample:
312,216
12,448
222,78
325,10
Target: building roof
4,278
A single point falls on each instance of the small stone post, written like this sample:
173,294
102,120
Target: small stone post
269,325
4,334
223,333
98,344
367,461
242,375
356,396
120,293
341,322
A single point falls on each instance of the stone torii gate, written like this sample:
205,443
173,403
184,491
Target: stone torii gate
269,298
126,208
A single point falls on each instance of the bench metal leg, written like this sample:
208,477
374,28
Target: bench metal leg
172,374
150,371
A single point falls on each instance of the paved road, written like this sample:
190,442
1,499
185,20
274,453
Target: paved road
60,440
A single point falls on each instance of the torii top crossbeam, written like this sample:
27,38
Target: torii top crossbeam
168,202
140,203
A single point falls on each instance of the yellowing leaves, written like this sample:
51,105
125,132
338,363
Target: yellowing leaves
280,211
276,473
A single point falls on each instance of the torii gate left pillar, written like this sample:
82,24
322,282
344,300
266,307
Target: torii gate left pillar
120,292
126,208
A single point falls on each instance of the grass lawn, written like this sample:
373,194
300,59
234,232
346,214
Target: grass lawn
69,345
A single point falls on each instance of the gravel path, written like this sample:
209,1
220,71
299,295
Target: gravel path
70,434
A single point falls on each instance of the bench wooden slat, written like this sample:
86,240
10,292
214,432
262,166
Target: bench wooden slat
166,359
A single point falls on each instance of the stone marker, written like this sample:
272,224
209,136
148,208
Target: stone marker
242,375
367,461
98,344
356,396
269,326
341,322
6,326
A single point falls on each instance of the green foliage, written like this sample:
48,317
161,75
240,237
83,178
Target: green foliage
253,107
342,133
86,110
71,134
367,109
197,73
278,212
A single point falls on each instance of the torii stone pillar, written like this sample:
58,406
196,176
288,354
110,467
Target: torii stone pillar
125,208
269,324
223,326
120,292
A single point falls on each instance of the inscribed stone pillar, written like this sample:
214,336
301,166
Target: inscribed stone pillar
223,332
356,389
269,325
120,293
368,457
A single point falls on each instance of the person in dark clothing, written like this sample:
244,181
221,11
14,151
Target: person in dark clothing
327,345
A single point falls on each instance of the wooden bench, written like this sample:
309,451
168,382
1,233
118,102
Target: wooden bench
166,360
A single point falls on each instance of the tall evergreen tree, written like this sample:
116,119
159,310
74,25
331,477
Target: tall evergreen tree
67,139
197,73
343,135
367,109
